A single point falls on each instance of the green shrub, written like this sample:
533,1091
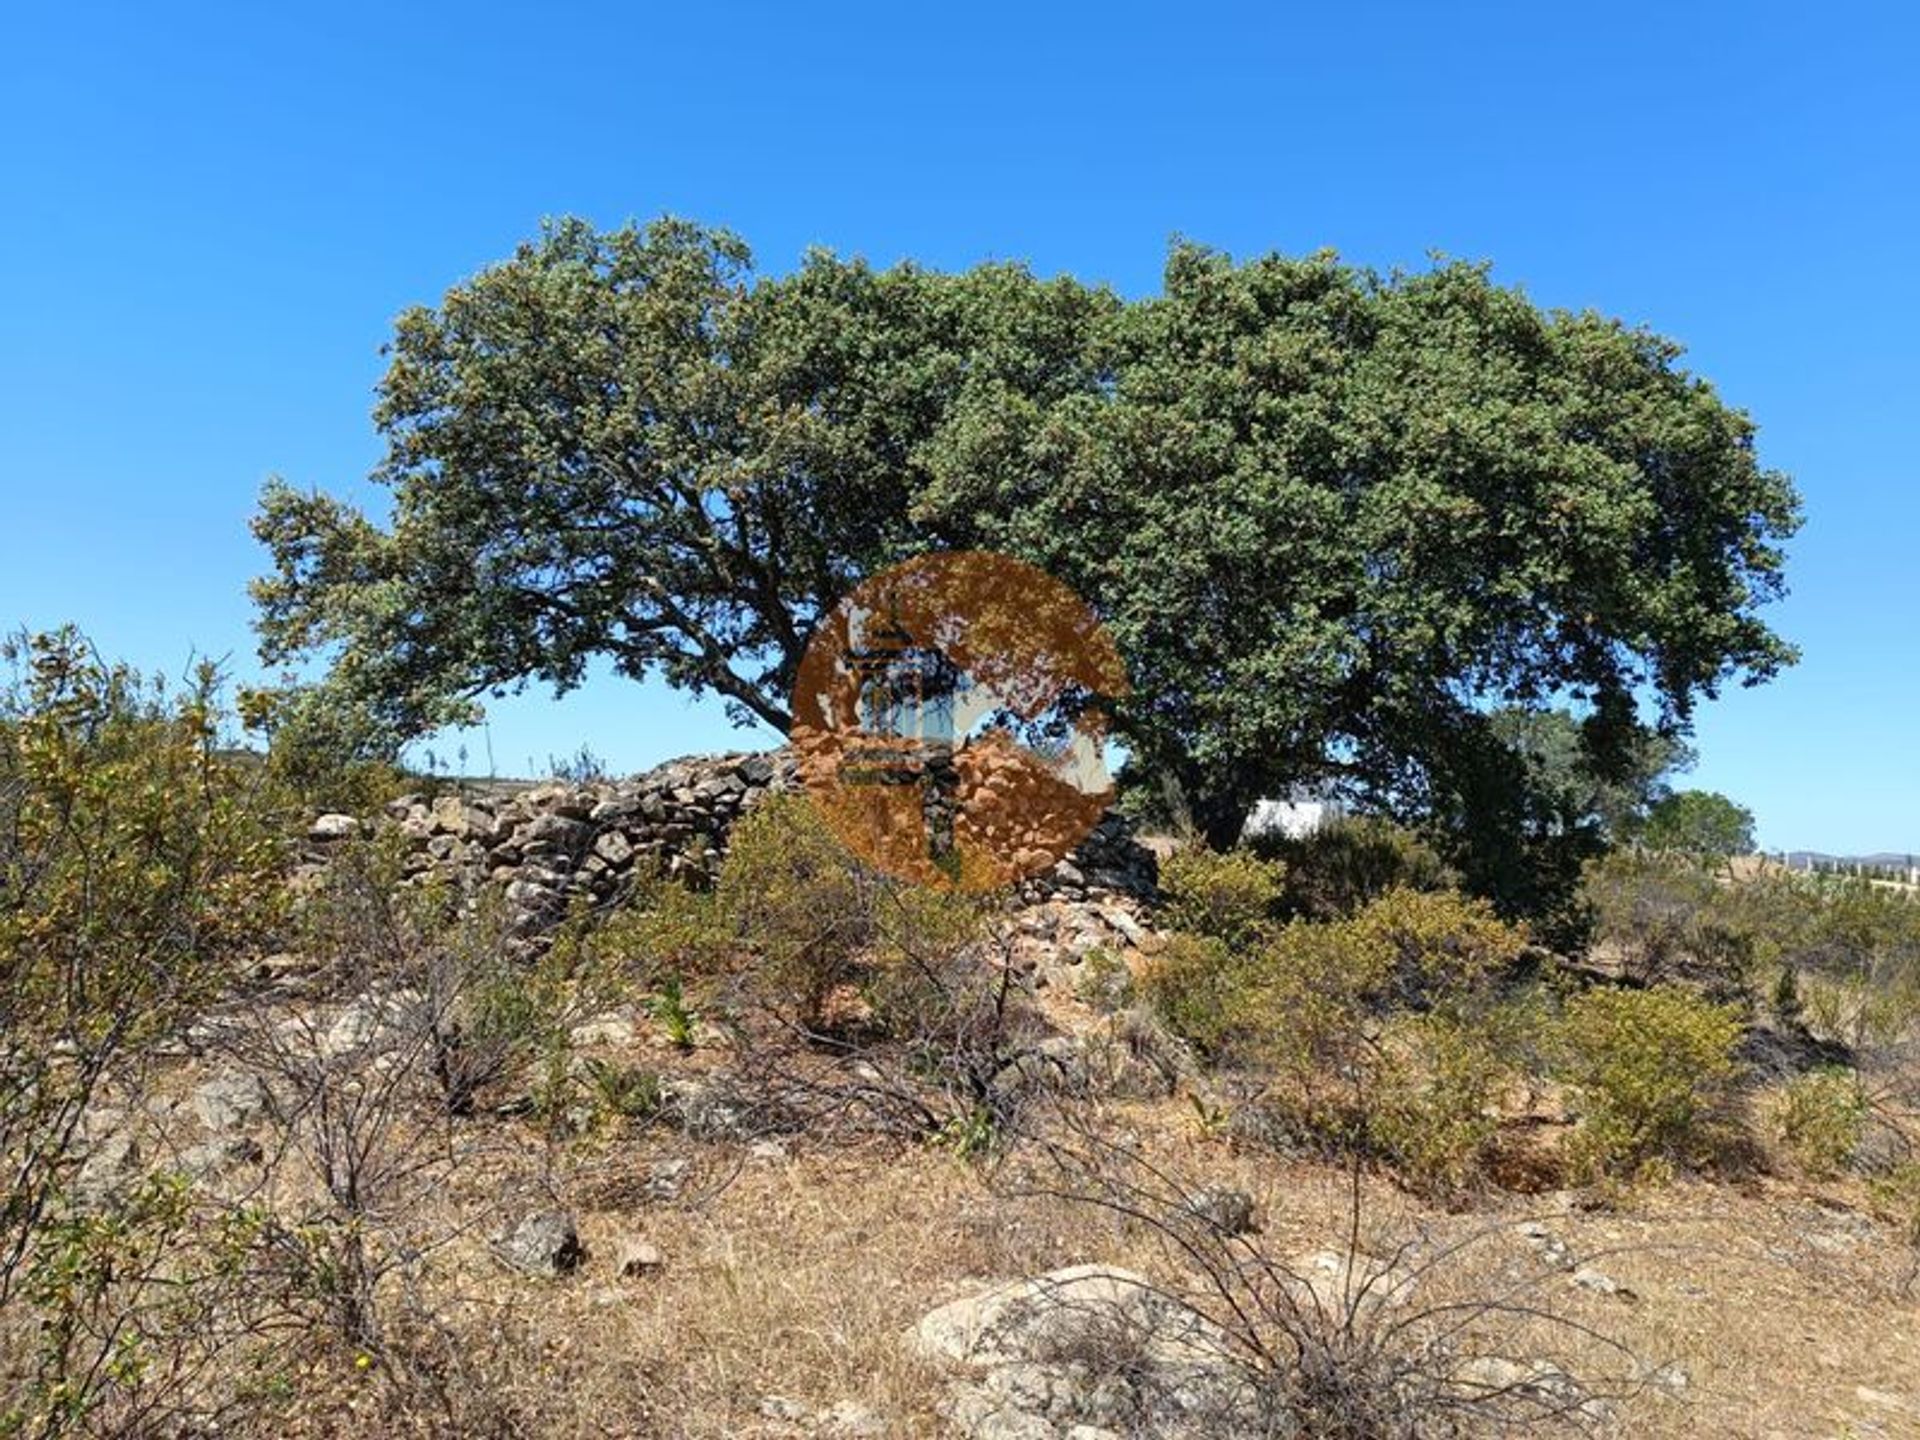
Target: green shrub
1201,989
1822,1116
1376,1032
797,921
1652,1070
791,893
1351,861
1227,896
1432,1112
141,870
1897,1194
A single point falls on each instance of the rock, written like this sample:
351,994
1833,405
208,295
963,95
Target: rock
614,848
1553,1250
554,829
1672,1379
639,1257
1092,1347
331,829
1587,1278
1123,924
1025,1319
667,1178
213,1158
710,1109
231,1102
850,1420
1228,1212
112,1163
611,1030
544,1243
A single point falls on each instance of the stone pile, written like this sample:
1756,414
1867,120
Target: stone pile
549,846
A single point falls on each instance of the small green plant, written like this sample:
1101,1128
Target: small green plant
628,1092
970,1136
677,1020
1652,1069
1210,1117
1897,1193
1822,1116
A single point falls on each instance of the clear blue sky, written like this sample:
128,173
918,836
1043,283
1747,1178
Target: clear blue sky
212,215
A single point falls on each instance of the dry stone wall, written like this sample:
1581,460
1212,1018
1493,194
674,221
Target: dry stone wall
550,845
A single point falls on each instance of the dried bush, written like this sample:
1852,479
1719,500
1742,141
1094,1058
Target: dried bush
1399,1340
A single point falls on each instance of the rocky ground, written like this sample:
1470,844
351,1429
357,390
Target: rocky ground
702,1275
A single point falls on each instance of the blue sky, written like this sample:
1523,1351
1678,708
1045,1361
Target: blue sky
211,219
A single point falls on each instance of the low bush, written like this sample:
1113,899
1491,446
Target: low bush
1230,897
1653,1071
1822,1117
1344,865
1381,1032
1432,1114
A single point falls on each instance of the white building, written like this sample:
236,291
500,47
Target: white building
1298,814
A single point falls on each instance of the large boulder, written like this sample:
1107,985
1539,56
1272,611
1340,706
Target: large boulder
1089,1350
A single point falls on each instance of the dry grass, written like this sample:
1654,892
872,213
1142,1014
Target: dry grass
796,1277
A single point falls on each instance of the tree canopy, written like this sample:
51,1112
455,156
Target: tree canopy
1702,822
1335,519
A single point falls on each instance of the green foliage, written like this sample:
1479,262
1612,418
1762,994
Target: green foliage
627,1092
1652,1070
1351,861
668,1007
1843,954
325,752
1338,511
1699,822
1897,1193
1201,989
627,444
140,867
1228,897
796,916
1380,1032
1822,1117
1431,1112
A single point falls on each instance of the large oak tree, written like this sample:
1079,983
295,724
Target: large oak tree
1336,520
